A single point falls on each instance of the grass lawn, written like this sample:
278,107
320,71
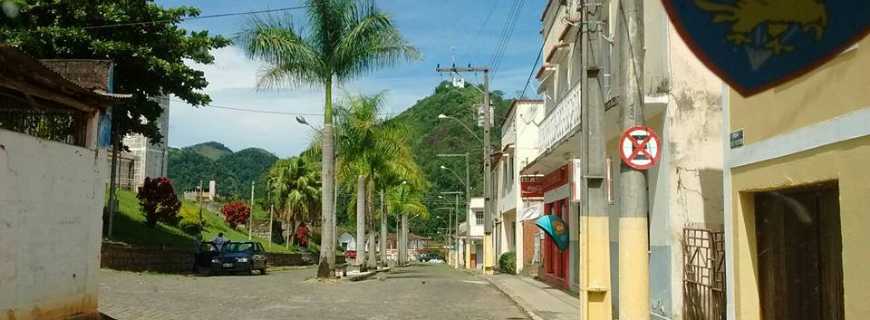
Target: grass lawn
130,227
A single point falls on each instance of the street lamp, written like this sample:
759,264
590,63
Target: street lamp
471,132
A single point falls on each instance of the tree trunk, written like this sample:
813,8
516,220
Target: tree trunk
360,220
383,242
372,256
327,238
403,241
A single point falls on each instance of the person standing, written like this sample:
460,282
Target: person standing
219,241
302,235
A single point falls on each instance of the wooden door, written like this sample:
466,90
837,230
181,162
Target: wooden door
799,253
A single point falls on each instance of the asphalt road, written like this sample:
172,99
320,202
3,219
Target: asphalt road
418,292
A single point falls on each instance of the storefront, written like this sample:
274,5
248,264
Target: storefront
556,268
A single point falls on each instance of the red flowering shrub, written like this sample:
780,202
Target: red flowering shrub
236,213
158,201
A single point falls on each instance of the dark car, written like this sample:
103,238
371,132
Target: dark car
234,257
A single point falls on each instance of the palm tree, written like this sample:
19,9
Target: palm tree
347,38
405,201
375,156
295,187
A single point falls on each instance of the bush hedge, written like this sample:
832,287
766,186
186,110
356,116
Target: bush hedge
507,263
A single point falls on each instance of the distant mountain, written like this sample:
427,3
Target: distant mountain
212,150
232,171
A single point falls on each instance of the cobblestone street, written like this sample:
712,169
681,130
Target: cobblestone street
419,292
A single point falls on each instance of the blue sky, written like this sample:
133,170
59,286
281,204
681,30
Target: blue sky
443,30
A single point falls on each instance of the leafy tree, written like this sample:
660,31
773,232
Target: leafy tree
158,201
236,213
142,39
347,38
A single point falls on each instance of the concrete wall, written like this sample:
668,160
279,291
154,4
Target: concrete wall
810,130
51,204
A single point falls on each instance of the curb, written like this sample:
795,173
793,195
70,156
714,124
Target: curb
527,309
367,274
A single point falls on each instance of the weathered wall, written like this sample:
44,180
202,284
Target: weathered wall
685,188
51,200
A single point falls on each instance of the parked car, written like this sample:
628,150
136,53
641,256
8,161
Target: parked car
234,257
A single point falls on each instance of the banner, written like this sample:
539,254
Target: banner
556,228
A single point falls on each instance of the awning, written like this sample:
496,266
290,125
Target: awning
532,212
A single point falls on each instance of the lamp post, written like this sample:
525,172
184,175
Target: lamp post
471,132
455,237
467,177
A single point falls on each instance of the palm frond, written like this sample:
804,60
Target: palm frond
289,58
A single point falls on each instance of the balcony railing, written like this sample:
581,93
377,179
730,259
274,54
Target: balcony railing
561,120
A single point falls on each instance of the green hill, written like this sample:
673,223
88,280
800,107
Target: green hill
130,227
212,150
431,136
233,172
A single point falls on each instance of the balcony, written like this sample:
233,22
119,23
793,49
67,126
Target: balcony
562,120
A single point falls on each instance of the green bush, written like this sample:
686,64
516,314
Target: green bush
507,262
190,220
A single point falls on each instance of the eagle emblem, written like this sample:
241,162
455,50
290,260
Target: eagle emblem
767,28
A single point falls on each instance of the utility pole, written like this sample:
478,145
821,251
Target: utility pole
199,197
271,212
488,250
113,185
455,238
595,291
251,214
633,224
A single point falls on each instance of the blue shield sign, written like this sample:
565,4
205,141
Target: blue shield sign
754,45
556,228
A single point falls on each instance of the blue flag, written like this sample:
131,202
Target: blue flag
754,45
556,228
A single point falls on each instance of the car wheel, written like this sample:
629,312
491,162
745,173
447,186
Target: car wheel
263,271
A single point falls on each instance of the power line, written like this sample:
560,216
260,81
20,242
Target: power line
221,15
507,35
531,73
262,111
504,31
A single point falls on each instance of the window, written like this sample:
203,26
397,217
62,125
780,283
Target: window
478,217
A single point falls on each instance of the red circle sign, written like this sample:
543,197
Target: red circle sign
640,148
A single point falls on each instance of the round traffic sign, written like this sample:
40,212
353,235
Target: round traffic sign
640,148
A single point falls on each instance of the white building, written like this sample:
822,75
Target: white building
145,159
52,185
471,236
681,103
519,146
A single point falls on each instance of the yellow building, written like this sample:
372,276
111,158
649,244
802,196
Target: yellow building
797,195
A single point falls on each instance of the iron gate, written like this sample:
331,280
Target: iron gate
703,274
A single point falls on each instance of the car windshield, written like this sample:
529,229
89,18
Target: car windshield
238,247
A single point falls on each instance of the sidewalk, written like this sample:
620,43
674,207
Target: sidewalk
536,298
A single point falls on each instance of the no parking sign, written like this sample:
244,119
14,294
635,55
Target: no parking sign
640,148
